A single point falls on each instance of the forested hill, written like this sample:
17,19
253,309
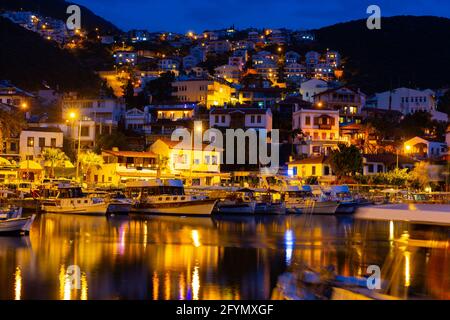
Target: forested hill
407,51
57,9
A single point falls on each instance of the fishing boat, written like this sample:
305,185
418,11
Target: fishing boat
70,199
167,197
240,202
302,200
118,203
266,204
12,222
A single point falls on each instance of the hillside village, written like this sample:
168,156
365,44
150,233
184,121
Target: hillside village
156,82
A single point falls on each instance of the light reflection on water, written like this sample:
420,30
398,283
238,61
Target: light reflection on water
202,258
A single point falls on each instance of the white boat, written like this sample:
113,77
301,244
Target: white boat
70,199
12,222
167,197
303,201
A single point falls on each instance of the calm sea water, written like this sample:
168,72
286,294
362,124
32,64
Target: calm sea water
213,258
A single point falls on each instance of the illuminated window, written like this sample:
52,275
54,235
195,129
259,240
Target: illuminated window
30,142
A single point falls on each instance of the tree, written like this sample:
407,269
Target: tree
161,89
114,140
419,176
346,160
281,73
128,95
10,125
89,160
55,157
444,103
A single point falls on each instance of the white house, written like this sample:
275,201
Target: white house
104,111
135,119
310,88
34,140
406,100
320,128
421,148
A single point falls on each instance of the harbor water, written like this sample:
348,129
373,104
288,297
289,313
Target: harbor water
231,257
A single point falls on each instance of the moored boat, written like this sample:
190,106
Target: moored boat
167,197
69,199
303,201
240,202
12,222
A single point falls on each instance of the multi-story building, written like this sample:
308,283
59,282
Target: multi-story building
244,118
406,100
312,87
165,65
333,59
291,57
211,91
14,96
324,71
189,62
348,101
316,166
199,52
198,164
295,72
125,58
34,140
260,97
237,61
312,58
122,166
218,47
138,35
320,130
229,73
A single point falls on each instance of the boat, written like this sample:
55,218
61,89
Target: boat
118,203
266,204
70,199
12,222
302,200
240,202
166,197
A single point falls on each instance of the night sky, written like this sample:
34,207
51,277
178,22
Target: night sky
198,15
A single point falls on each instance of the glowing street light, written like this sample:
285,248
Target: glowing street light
407,148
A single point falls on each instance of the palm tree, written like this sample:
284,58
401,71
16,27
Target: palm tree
10,125
89,160
55,157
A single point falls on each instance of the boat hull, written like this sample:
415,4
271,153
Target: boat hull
99,209
236,208
119,208
16,226
317,207
186,208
